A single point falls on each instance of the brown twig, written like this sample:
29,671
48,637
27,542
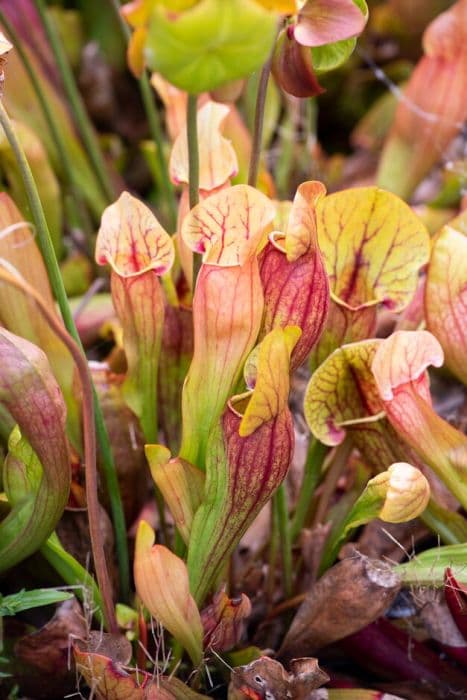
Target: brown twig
286,605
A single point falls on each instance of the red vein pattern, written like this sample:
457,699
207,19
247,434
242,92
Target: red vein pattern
242,475
31,394
227,227
131,240
295,293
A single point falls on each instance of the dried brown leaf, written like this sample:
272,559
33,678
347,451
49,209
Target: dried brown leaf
348,597
267,679
223,621
48,648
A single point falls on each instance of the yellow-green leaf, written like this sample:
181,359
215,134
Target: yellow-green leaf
271,391
342,391
373,247
211,43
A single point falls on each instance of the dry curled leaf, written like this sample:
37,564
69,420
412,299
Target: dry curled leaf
349,596
46,653
267,679
223,621
109,678
306,676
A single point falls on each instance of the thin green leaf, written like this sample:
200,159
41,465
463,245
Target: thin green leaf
25,600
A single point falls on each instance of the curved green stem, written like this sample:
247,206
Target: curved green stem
315,456
82,119
53,270
89,433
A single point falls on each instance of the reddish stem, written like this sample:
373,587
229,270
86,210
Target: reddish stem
89,436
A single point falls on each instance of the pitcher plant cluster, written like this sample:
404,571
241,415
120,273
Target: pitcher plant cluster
215,316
